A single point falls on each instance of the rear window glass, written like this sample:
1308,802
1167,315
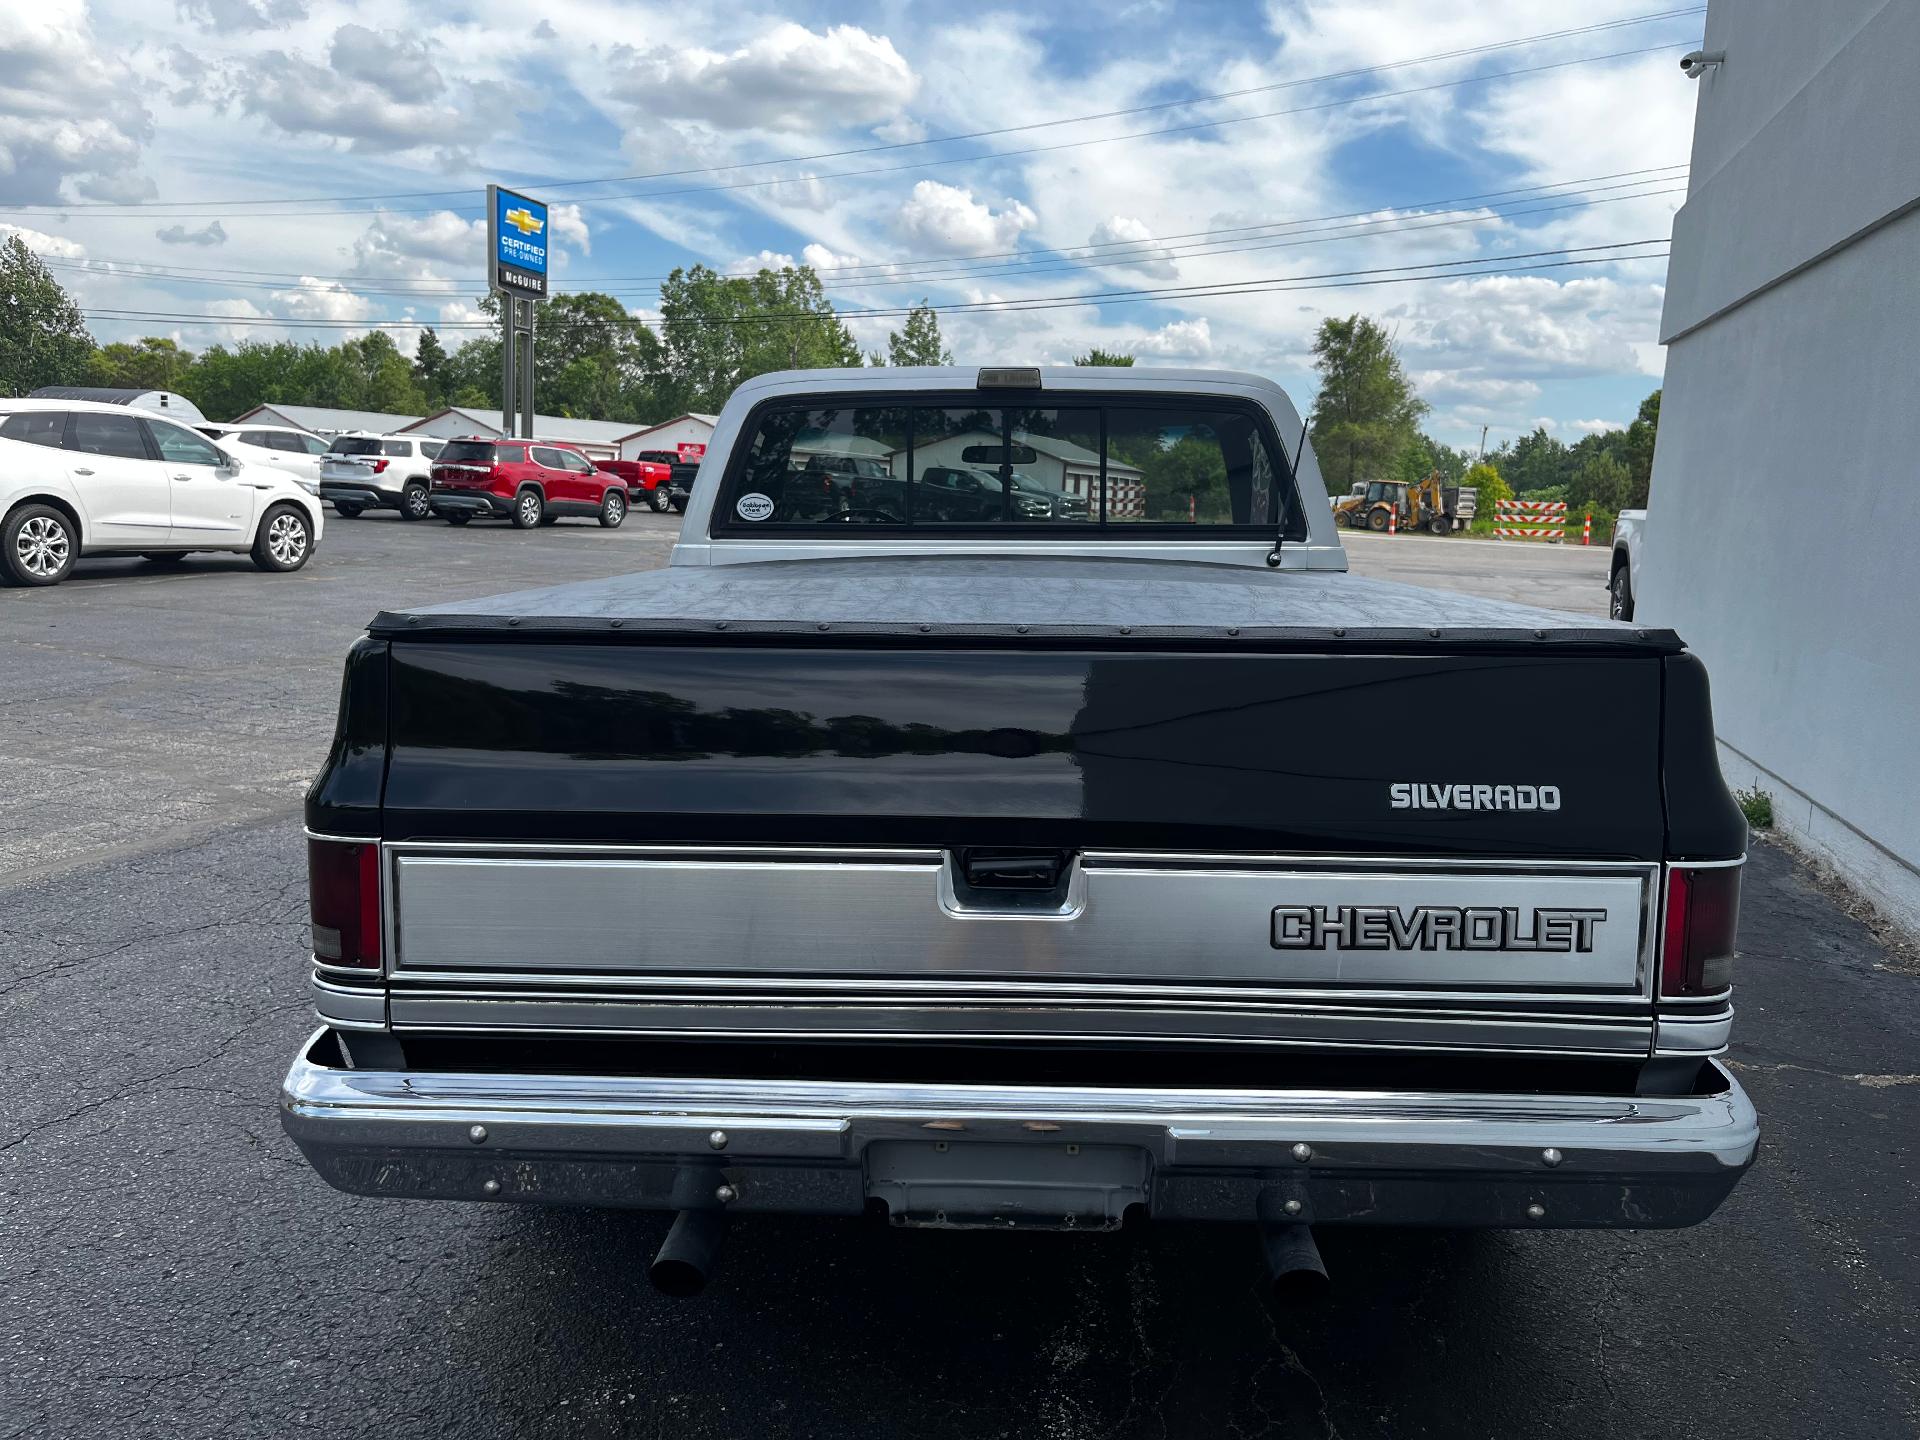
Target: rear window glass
356,445
958,465
431,449
396,448
36,427
468,452
98,434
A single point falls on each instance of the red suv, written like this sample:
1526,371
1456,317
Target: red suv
648,482
530,482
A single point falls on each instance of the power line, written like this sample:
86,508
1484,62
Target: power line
919,165
1448,270
553,183
1141,252
890,269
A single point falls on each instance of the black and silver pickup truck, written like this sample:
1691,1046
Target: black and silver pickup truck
1023,871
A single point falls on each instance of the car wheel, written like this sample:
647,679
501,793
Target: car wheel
1620,595
413,502
285,540
679,503
613,509
1377,520
164,557
457,517
656,502
546,520
528,510
1439,525
346,512
40,546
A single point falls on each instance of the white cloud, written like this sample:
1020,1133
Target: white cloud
422,247
462,312
823,259
1179,340
71,120
569,226
807,192
315,299
948,220
1134,249
1448,387
57,247
789,76
1597,427
1518,326
231,16
212,233
765,260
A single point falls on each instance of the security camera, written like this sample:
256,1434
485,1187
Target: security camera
1696,63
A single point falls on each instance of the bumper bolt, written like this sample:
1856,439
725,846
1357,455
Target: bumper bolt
726,1194
1536,1212
1303,1152
1551,1156
718,1139
477,1133
1293,1207
492,1187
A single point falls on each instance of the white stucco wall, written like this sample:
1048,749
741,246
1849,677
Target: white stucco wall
689,429
1782,533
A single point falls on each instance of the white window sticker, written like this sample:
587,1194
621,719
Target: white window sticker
753,507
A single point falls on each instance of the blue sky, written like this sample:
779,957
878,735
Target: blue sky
199,161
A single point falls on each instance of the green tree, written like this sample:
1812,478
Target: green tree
920,342
1366,411
1490,484
1601,483
429,359
43,339
1097,356
155,363
1641,436
718,330
1534,462
1189,474
378,377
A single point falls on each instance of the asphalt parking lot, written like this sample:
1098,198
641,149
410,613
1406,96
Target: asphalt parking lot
169,1267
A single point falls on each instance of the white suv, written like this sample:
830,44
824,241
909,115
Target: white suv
82,478
379,472
294,451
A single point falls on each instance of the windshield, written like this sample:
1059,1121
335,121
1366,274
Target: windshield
956,464
467,452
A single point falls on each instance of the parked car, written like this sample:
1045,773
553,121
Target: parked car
378,472
82,478
648,482
1623,576
988,878
530,482
295,451
681,480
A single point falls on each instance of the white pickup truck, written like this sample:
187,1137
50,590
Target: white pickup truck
1623,577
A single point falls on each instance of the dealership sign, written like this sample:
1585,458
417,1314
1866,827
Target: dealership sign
516,244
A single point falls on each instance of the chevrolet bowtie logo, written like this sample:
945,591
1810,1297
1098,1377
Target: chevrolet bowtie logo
525,221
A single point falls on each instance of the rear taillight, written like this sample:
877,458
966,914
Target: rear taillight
343,888
1703,918
379,466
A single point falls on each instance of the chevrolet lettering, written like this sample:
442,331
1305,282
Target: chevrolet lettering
949,836
1432,927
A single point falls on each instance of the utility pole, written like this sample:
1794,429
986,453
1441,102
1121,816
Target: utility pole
1481,458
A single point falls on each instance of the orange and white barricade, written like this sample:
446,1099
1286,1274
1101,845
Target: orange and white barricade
1530,519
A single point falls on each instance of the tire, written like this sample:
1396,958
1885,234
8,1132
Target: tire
284,542
1440,525
1377,520
40,546
413,502
679,503
613,509
164,557
1620,595
529,509
656,502
456,518
546,520
346,512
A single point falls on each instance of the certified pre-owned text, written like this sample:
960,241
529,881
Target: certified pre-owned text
1433,927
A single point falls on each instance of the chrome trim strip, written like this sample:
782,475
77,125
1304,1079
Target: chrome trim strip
356,1006
1707,1036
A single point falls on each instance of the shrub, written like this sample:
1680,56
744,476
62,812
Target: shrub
1757,805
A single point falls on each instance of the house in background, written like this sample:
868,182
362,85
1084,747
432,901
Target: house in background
160,402
600,439
325,420
689,429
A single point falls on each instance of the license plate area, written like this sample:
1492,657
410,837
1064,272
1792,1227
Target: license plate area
996,1185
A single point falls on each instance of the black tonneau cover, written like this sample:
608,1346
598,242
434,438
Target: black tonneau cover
1032,598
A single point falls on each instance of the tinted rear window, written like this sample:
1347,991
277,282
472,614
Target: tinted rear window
469,452
98,434
36,427
1175,467
355,445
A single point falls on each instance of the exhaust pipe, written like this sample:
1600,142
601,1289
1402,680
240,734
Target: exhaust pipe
686,1256
1294,1268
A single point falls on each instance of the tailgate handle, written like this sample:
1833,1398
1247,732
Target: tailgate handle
985,869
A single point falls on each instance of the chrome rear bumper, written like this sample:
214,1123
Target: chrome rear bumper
1005,1155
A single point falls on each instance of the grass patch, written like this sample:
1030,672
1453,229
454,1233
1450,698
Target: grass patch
1757,805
